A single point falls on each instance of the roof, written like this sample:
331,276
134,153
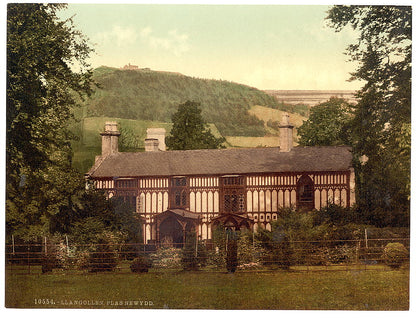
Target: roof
180,212
222,161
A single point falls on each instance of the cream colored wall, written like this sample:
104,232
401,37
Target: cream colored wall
262,202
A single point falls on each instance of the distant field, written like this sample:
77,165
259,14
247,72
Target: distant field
253,142
266,113
340,290
310,97
272,140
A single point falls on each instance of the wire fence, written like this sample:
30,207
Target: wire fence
231,256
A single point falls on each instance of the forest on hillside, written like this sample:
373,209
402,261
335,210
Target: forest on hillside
149,95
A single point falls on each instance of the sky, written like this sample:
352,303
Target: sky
265,46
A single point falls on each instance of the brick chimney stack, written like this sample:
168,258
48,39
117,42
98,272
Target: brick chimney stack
286,134
109,140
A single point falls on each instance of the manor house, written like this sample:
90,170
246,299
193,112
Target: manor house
178,191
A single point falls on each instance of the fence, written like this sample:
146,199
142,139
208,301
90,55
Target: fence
234,255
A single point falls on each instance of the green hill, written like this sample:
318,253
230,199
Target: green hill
140,99
151,95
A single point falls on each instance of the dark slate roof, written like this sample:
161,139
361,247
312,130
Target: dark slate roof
222,161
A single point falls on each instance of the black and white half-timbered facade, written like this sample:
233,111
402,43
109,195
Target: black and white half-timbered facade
179,191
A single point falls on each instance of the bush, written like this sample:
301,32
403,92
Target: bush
141,264
167,258
55,255
194,254
48,263
104,257
232,260
82,260
245,250
395,254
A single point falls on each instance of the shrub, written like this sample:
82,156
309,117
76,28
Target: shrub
395,254
104,257
82,260
232,260
167,258
48,263
216,257
193,254
54,255
141,264
340,254
245,250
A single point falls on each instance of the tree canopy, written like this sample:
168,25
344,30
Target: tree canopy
190,131
41,53
326,125
380,128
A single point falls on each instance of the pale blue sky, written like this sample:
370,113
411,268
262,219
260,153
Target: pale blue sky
264,46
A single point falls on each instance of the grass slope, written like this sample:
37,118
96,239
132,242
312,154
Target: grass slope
140,99
89,128
340,290
150,95
89,144
267,113
271,139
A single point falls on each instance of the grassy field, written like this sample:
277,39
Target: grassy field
341,290
267,113
252,142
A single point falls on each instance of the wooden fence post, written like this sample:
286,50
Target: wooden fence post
67,245
13,251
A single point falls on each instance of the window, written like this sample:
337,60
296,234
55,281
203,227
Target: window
179,192
126,183
305,193
233,194
179,182
233,180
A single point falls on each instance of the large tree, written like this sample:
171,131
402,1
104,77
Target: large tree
42,90
190,131
381,123
326,125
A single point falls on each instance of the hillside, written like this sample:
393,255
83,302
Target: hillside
140,99
144,94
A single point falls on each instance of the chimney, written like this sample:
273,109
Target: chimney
159,134
286,134
109,141
151,144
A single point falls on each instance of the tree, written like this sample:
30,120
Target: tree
42,90
190,131
326,125
128,141
380,128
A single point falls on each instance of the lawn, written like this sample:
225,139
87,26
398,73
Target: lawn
325,290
